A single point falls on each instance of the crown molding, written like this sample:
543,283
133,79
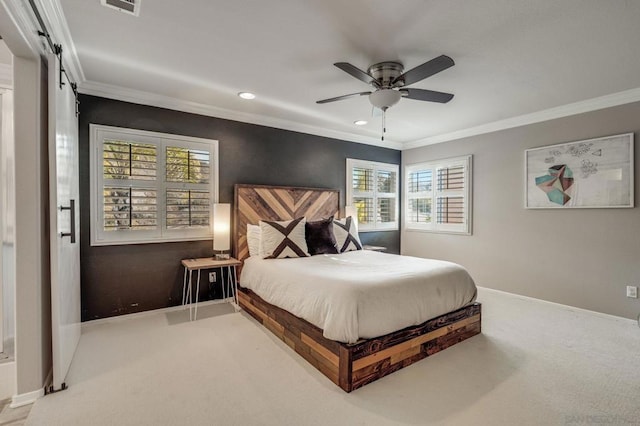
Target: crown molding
25,22
602,102
24,41
54,19
152,99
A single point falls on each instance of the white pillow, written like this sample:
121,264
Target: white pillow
253,239
346,232
283,239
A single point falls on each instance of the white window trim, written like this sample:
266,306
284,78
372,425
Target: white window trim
350,193
101,238
433,226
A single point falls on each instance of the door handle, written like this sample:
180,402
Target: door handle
72,227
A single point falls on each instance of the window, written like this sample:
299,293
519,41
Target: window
151,187
438,196
372,188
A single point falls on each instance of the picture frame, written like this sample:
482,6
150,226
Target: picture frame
592,173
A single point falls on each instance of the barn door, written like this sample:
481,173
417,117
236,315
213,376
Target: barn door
65,220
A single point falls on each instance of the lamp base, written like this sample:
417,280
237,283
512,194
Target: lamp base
222,256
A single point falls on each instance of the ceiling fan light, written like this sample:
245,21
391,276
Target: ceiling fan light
384,98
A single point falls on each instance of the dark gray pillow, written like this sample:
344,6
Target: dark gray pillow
320,238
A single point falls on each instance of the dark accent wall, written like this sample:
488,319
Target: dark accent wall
124,279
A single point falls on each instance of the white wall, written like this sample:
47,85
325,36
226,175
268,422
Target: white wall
32,296
580,257
7,255
33,308
7,220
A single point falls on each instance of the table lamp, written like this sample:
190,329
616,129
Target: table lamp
353,212
221,230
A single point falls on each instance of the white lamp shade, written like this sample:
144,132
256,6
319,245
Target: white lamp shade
351,211
221,227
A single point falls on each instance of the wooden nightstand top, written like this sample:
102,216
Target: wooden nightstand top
374,248
209,262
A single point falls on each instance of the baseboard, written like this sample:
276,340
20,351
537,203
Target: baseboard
26,398
573,308
143,314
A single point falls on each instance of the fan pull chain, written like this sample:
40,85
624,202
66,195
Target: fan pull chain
384,124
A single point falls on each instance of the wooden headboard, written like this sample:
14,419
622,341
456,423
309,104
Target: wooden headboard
262,202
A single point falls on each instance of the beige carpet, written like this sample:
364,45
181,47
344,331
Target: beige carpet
13,416
535,364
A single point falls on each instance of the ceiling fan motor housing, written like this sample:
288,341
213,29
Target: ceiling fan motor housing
386,72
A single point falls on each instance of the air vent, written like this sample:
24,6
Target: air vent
131,7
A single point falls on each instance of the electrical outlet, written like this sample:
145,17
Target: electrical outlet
632,291
212,277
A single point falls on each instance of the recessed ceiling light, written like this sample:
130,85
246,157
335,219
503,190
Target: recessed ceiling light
246,95
360,122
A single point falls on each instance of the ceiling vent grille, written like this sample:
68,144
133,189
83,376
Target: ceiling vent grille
131,7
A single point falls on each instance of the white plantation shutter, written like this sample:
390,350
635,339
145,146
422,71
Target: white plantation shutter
187,208
128,208
129,172
188,165
419,195
450,185
372,188
188,196
438,196
386,196
151,187
362,185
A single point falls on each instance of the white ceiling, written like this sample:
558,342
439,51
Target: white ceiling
515,60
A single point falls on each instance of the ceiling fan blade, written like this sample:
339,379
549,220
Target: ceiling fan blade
425,70
339,98
426,95
355,72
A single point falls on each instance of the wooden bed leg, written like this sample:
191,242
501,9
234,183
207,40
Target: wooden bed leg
344,369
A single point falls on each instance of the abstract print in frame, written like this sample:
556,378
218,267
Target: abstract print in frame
594,173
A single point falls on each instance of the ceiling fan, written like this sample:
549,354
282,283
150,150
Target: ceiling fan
389,82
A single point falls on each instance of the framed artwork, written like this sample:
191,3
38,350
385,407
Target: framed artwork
594,173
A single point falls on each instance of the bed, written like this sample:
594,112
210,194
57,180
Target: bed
351,342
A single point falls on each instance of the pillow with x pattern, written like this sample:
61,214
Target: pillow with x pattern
283,239
346,233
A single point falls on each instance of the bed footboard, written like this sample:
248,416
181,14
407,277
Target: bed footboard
351,366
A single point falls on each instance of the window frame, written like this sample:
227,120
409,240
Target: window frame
466,193
100,237
351,163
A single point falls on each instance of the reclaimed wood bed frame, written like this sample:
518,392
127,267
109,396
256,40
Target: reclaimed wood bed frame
349,366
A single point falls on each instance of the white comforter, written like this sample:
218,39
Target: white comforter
360,294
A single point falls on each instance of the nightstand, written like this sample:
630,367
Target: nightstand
198,265
374,248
